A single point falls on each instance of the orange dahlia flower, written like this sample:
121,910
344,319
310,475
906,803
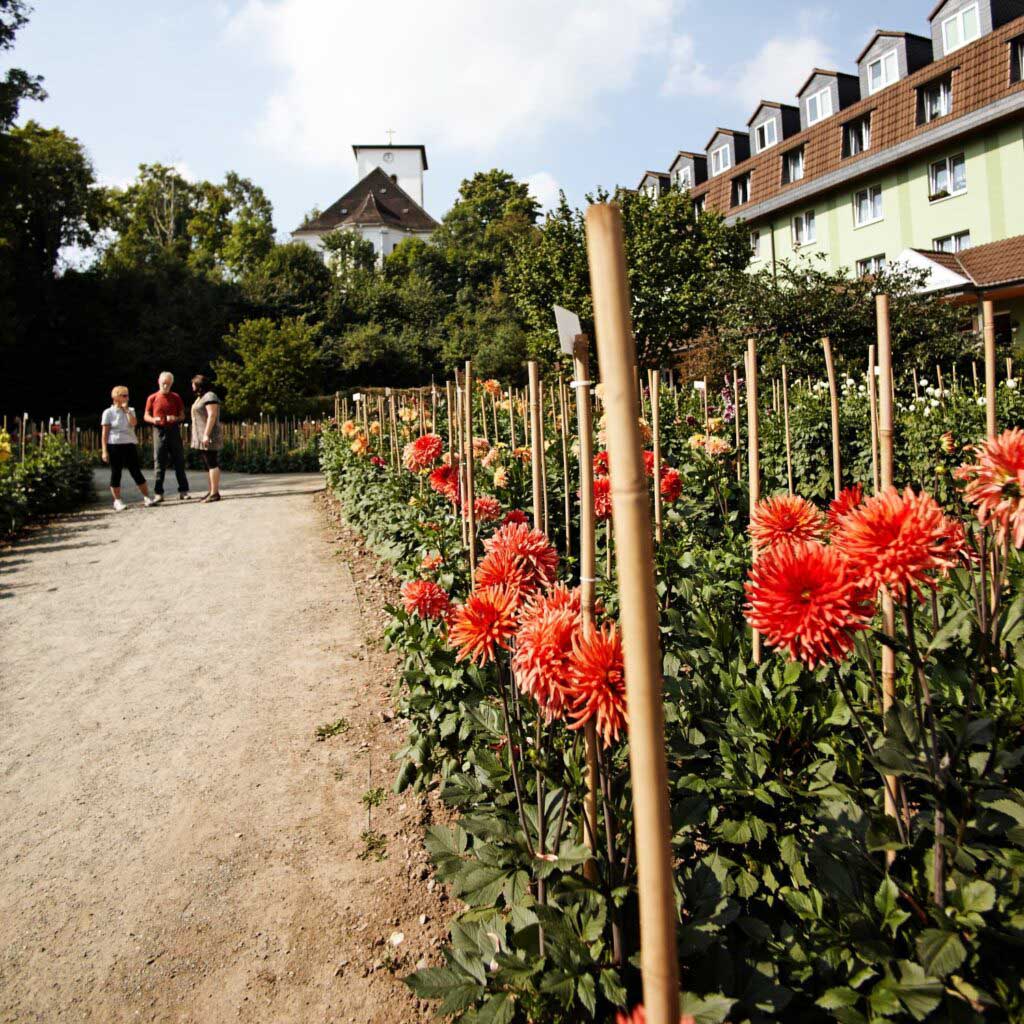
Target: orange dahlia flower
897,541
432,561
445,480
486,509
425,599
597,683
503,568
784,519
349,429
848,500
485,623
493,388
808,600
544,651
539,558
996,487
422,453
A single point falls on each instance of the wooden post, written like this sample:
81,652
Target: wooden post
563,406
511,420
543,454
833,390
886,481
654,386
785,423
989,321
873,405
638,615
736,421
753,462
536,443
470,511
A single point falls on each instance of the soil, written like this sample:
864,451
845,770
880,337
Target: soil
176,843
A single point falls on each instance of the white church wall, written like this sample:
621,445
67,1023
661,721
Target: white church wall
405,164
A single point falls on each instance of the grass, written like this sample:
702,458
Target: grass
375,797
375,846
338,728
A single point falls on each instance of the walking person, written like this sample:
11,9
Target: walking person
207,436
120,446
165,410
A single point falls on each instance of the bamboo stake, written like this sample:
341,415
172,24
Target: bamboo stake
974,373
470,511
988,317
736,421
942,390
886,481
707,415
511,420
563,406
753,463
543,454
461,476
588,566
833,390
873,404
789,440
654,386
917,392
638,614
535,446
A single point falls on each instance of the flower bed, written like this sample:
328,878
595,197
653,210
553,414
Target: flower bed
801,896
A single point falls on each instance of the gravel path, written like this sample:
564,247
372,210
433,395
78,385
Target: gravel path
175,845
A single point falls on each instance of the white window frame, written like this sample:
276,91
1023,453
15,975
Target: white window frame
1017,60
859,128
883,62
724,163
698,206
871,191
822,113
957,239
796,155
807,220
871,265
742,183
959,19
684,177
763,127
947,90
755,244
933,192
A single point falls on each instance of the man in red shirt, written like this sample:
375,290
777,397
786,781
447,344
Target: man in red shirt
165,410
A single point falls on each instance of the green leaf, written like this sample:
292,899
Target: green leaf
978,897
919,993
586,990
712,1009
499,1009
836,997
886,902
940,951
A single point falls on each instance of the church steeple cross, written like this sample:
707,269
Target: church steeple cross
391,136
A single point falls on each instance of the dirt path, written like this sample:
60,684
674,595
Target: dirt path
175,844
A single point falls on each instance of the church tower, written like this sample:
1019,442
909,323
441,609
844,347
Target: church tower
402,164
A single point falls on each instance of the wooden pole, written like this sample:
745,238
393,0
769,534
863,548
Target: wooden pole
873,404
543,454
753,462
989,320
536,443
785,421
654,386
563,406
638,614
833,391
736,421
512,420
470,511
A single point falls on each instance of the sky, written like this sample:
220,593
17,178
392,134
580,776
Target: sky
563,94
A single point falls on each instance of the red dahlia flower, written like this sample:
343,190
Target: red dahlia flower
597,683
422,453
432,561
848,500
996,487
544,652
671,485
807,599
539,559
485,509
376,460
486,622
425,599
602,498
516,515
445,480
601,464
502,568
783,519
896,540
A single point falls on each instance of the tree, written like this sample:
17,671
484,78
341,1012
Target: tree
291,280
16,85
270,367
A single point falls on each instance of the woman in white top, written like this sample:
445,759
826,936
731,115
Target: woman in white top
120,446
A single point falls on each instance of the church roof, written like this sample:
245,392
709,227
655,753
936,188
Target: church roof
376,201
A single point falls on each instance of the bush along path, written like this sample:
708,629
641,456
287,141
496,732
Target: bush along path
847,804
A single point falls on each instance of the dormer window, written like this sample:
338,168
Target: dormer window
819,106
960,29
684,178
793,166
934,100
883,71
857,136
1017,60
741,190
721,159
698,206
766,135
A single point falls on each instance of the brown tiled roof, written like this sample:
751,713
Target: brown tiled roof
897,35
948,260
980,74
374,201
986,266
774,105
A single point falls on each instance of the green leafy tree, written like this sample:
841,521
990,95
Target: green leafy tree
270,367
291,280
16,85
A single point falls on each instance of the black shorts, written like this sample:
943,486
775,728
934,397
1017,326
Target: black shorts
122,457
211,458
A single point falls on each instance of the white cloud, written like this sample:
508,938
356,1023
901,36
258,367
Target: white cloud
544,188
455,74
686,76
780,67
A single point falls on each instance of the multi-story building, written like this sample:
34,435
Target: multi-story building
919,153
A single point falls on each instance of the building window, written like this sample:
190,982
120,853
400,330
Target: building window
947,177
721,160
741,190
755,244
766,135
1017,60
698,206
819,106
804,229
934,100
883,72
952,243
684,178
793,166
871,266
960,29
857,136
867,206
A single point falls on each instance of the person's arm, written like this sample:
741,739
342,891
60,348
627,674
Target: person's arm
212,415
131,416
105,433
147,413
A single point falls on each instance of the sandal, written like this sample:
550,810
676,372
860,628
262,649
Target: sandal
211,497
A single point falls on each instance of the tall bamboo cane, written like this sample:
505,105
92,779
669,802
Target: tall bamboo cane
989,321
470,511
753,462
536,443
654,387
833,391
789,440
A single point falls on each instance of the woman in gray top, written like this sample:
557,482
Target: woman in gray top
206,435
120,446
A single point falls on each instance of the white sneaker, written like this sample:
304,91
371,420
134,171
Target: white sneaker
147,500
157,498
119,505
